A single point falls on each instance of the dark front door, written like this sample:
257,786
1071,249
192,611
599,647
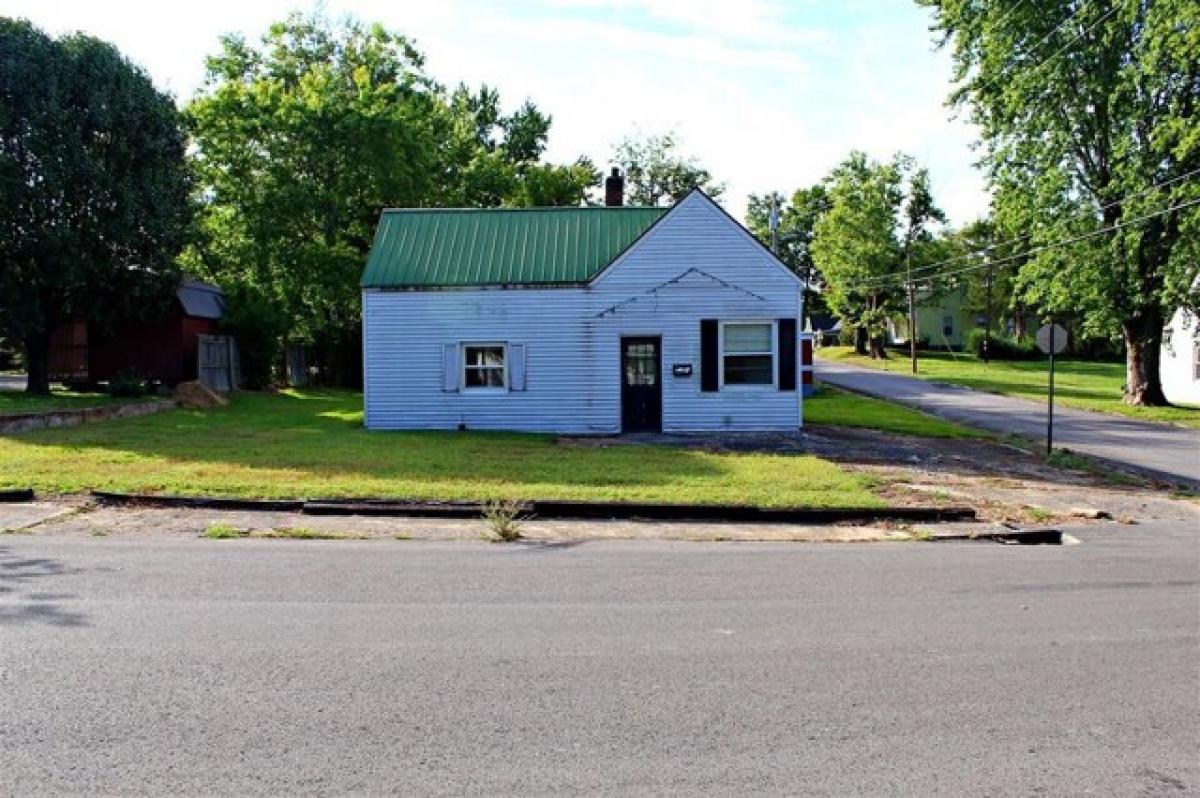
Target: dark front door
641,385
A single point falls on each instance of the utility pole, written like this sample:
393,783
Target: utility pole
987,337
1050,396
912,312
773,222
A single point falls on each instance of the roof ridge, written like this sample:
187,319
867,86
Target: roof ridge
540,208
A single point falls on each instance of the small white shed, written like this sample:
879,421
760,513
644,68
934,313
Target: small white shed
579,320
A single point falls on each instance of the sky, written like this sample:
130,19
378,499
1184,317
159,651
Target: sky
766,94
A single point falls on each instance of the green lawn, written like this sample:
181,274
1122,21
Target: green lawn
844,409
311,444
20,402
1077,383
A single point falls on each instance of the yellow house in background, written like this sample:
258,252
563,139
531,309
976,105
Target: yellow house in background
943,321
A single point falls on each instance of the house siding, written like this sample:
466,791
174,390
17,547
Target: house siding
1179,362
695,264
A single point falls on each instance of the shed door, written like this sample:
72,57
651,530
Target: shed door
641,385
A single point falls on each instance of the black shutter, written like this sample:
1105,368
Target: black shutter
787,354
708,355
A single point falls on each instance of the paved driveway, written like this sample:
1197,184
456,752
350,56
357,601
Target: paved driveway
247,667
1159,449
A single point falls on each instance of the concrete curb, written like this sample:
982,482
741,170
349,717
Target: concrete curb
558,509
197,502
49,419
1039,536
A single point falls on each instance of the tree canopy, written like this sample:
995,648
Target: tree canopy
657,174
302,139
1088,113
94,187
878,219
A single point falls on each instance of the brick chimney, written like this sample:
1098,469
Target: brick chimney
614,189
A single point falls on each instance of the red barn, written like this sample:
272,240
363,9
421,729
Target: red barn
164,350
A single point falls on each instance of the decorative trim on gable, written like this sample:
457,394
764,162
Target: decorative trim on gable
697,194
674,281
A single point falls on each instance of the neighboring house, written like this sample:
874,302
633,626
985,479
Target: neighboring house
580,320
1179,361
163,349
826,328
943,321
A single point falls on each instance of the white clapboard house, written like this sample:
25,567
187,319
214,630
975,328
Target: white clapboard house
582,320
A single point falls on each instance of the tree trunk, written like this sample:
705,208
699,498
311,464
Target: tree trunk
37,363
877,350
860,340
1019,322
1143,382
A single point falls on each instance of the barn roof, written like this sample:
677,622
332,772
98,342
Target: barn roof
433,248
201,300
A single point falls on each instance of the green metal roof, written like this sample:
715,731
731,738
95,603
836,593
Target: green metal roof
500,246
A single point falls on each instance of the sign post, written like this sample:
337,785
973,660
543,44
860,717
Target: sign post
1051,339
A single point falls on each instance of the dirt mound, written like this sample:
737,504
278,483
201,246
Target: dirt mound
196,395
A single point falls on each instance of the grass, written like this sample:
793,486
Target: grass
219,530
312,444
13,402
1077,383
838,408
304,533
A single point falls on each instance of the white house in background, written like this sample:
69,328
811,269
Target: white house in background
1179,359
580,320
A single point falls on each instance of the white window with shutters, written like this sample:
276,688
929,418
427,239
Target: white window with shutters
485,367
747,354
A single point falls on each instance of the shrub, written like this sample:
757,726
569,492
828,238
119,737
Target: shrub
503,518
128,383
1001,347
258,325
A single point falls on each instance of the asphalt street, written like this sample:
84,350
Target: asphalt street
285,667
1161,450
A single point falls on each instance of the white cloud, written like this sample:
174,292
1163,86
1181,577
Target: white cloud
767,94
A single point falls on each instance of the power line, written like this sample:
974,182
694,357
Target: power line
1078,36
1055,244
996,78
921,272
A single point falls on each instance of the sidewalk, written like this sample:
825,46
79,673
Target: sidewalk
1160,450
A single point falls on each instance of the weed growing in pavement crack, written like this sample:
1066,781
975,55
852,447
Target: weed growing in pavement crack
219,530
502,517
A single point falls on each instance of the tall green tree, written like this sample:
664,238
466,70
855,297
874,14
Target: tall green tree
94,188
491,159
656,173
798,217
1088,112
299,142
879,219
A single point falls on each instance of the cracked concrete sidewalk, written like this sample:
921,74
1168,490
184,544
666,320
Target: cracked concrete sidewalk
81,520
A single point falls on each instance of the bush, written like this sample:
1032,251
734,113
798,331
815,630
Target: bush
258,325
128,383
1001,347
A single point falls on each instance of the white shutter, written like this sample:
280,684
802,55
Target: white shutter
516,367
450,367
